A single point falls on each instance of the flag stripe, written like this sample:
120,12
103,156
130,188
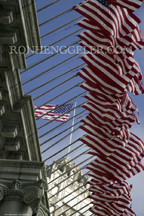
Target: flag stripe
62,112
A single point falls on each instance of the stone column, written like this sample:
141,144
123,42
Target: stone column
22,199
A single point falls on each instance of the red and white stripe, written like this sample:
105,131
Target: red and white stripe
115,208
120,159
103,80
95,88
102,102
105,72
127,65
105,173
129,4
103,132
107,62
135,85
109,114
88,24
123,199
117,188
102,146
111,20
96,39
108,75
44,113
97,42
123,105
111,126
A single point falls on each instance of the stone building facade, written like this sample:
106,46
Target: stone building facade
22,173
67,189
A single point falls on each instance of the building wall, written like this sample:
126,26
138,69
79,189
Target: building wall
22,173
67,189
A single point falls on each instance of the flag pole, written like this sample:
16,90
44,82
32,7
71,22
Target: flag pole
68,157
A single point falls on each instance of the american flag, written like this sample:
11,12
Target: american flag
53,112
108,77
129,4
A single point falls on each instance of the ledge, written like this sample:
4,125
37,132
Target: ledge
22,170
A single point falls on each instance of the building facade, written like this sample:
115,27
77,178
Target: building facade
67,189
22,173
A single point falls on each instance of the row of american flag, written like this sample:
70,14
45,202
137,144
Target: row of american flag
108,77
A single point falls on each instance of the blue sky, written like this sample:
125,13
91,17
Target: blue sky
138,180
62,5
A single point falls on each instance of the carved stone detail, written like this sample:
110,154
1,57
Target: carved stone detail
33,197
1,194
31,193
42,211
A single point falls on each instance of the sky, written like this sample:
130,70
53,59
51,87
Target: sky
138,180
52,60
